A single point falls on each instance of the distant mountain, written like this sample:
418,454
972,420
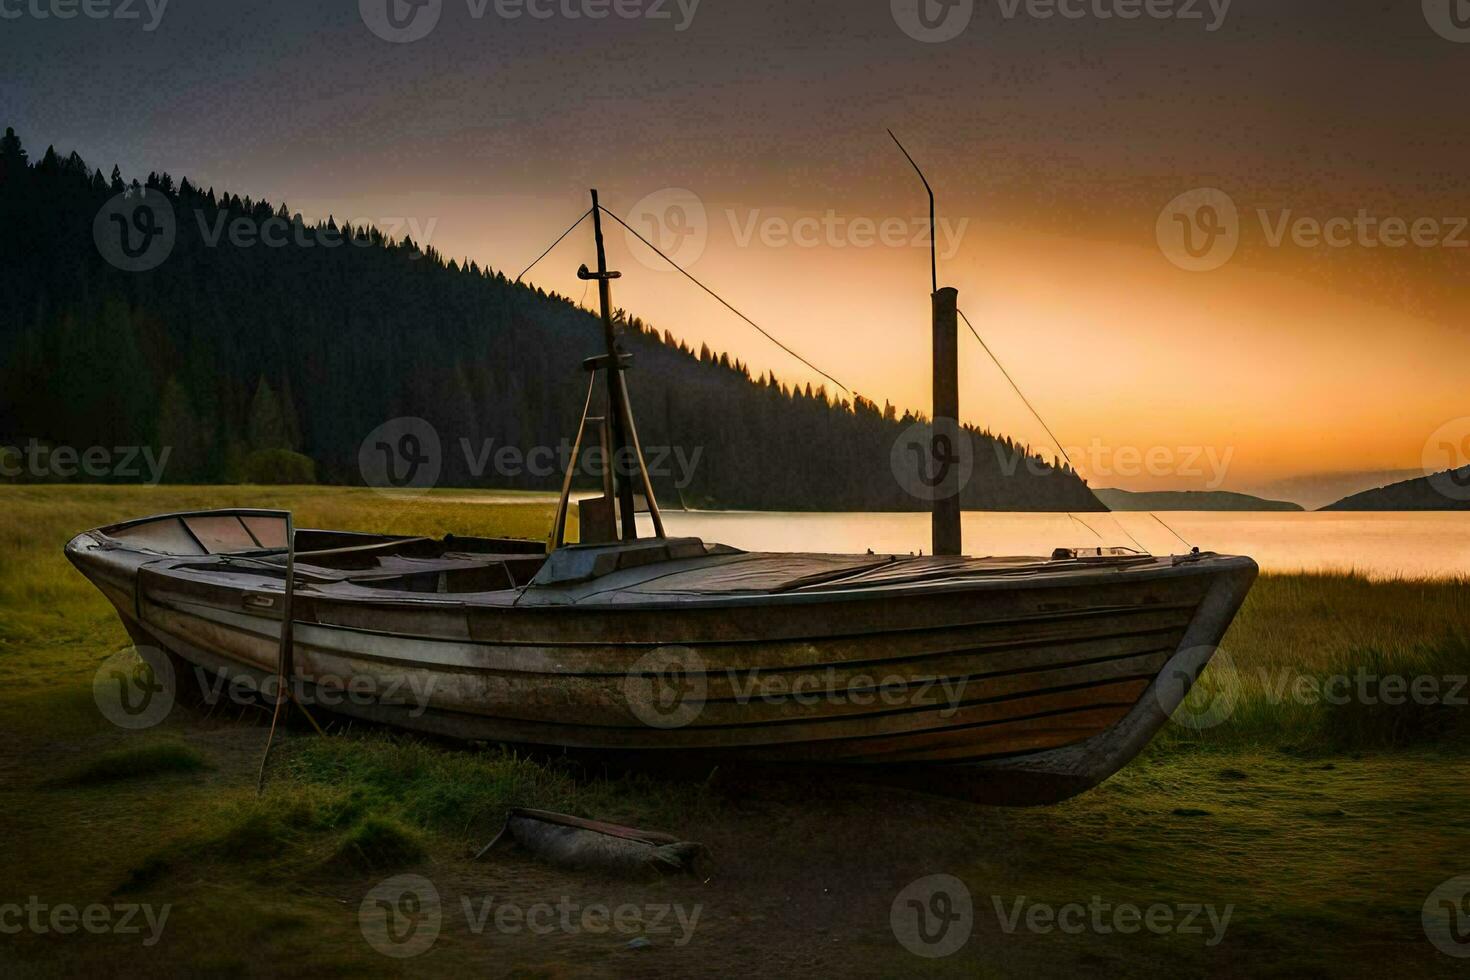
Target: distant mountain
1449,490
1188,500
1316,490
258,347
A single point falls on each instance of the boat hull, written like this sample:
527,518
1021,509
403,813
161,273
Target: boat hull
1017,689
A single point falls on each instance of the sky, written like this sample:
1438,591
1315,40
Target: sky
1220,245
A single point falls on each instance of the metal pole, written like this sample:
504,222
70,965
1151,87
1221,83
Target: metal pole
617,396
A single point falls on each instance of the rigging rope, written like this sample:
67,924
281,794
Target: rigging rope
1172,531
1055,441
555,244
764,333
1017,389
727,306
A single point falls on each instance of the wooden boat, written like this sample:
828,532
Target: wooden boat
1007,679
1014,680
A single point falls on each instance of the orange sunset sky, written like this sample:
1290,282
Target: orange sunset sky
1054,144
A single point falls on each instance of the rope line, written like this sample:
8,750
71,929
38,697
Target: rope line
1170,530
554,245
1078,520
766,334
1017,389
727,306
1055,441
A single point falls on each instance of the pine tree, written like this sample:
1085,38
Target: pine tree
12,156
266,428
181,432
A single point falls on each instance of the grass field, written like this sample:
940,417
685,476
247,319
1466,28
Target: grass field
1318,824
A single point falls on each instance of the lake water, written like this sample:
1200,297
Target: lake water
1381,545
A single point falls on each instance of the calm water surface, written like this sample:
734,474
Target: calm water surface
1382,545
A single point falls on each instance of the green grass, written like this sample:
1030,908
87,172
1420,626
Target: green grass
1331,662
379,843
1325,824
138,761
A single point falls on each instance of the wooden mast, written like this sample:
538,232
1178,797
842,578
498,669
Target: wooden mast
945,431
624,451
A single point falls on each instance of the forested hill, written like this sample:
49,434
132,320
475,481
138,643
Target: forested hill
1446,490
258,362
